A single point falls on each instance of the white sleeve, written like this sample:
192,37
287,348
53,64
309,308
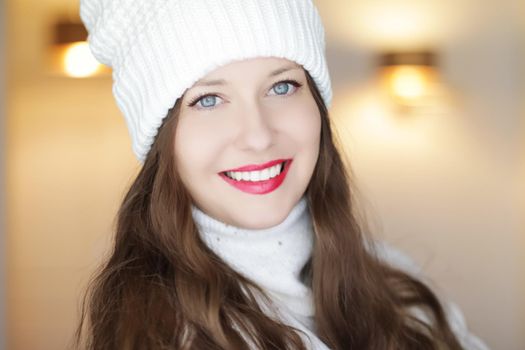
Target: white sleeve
455,317
459,326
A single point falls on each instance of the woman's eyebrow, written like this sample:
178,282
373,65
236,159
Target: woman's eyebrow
210,82
223,82
282,70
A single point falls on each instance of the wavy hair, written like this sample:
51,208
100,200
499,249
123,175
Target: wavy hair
163,288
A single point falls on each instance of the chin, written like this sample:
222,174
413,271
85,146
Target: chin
262,219
261,224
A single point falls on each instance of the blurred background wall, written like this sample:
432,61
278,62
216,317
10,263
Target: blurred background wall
445,182
2,172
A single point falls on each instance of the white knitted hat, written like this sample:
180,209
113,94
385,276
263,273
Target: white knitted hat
160,48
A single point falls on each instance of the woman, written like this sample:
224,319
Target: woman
238,232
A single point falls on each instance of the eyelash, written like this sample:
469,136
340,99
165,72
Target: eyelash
293,82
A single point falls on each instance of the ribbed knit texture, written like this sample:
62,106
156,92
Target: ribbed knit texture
274,257
159,48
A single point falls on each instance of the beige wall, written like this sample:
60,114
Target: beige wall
446,185
2,190
68,161
443,186
454,207
520,193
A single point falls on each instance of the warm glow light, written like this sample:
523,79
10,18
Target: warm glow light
395,24
365,119
408,82
400,24
78,61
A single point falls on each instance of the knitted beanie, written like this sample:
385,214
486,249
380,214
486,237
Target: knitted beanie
159,48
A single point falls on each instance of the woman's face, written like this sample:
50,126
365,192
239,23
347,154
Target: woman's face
247,141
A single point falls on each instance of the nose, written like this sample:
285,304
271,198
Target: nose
255,128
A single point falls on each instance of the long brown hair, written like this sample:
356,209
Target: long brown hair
162,288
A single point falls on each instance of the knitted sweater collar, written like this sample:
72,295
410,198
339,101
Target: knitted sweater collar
272,258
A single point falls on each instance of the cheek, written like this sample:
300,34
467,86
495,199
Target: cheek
304,124
191,148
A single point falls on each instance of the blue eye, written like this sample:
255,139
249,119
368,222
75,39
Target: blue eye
208,101
283,88
205,101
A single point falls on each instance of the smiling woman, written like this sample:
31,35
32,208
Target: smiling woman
239,231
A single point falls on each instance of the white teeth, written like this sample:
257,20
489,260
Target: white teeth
265,174
273,171
253,176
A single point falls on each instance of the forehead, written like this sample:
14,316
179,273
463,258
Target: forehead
255,68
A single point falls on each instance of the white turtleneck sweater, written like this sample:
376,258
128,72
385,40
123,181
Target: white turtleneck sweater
273,258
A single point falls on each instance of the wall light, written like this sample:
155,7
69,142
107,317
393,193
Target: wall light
409,77
78,61
70,52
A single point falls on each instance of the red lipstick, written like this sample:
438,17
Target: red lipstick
257,167
259,187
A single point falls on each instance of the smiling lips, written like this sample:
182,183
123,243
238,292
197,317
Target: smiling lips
258,179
